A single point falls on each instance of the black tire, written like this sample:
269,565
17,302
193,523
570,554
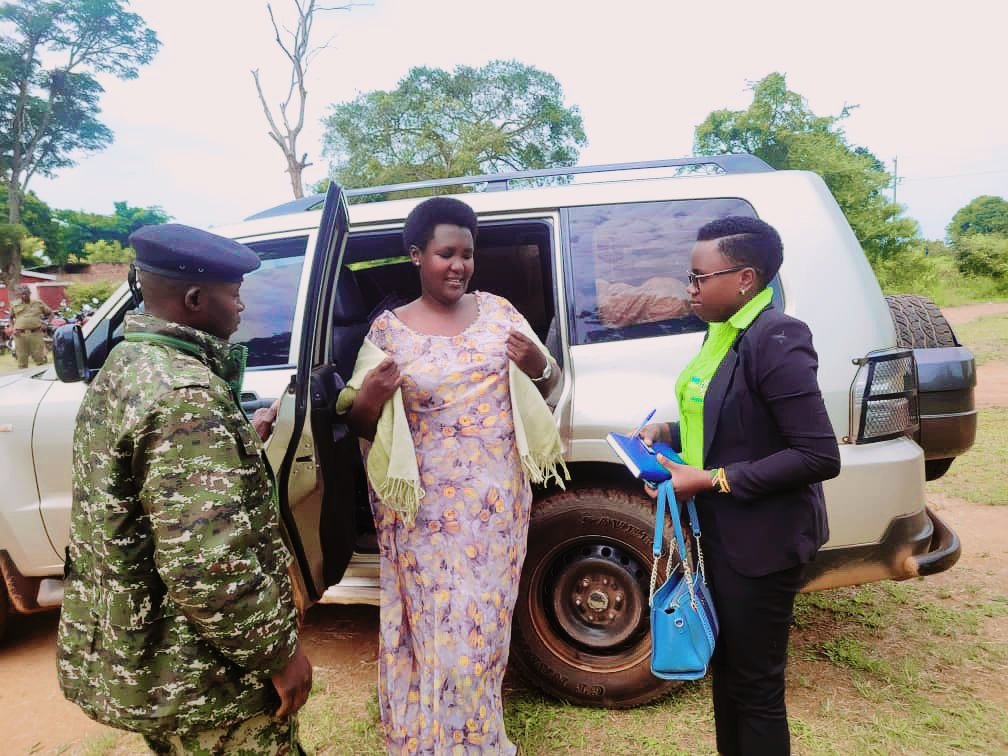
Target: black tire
935,468
593,546
919,323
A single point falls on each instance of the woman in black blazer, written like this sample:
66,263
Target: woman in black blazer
757,441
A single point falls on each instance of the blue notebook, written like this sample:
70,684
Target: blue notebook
640,459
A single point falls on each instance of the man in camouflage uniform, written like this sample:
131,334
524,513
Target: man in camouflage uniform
28,318
178,620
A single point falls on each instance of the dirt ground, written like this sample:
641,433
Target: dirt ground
34,717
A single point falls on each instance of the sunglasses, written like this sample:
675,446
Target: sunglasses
695,279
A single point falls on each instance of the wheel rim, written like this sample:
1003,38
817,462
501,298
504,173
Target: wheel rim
592,606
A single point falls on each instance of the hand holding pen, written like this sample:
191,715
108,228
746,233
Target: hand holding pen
643,424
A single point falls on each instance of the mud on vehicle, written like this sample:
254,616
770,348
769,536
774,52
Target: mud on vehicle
598,267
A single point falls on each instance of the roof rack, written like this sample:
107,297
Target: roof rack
739,163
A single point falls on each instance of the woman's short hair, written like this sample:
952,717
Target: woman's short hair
420,223
747,241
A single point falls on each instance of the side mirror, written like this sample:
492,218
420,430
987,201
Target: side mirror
70,354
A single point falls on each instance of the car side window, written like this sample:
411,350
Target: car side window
628,266
270,297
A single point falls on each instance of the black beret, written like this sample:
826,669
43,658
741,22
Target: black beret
176,251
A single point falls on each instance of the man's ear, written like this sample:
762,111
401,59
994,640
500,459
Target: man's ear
194,299
414,253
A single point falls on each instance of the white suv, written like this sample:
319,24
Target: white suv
598,268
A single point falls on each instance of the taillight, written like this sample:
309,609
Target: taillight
883,397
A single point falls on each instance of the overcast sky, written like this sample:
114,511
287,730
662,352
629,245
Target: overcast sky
928,77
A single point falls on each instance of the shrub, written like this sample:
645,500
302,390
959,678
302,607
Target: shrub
936,275
984,255
107,251
79,294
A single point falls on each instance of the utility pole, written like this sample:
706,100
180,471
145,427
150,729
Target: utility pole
895,177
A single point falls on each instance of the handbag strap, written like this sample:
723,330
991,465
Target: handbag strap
667,503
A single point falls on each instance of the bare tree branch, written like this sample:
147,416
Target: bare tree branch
286,125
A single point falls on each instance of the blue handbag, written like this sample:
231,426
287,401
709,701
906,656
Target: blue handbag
684,625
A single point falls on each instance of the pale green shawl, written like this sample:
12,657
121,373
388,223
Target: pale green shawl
392,462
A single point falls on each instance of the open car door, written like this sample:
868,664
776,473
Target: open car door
320,475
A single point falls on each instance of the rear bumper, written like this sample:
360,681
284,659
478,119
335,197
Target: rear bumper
948,416
913,546
943,551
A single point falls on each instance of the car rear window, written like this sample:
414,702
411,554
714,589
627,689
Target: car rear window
628,266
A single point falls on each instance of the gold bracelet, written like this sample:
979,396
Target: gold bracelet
719,478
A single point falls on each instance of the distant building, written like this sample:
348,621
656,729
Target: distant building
44,287
51,287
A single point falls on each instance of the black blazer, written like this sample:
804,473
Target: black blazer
765,422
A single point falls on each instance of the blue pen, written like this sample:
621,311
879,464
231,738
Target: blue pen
643,423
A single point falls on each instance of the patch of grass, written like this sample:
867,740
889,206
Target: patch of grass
115,744
338,720
866,605
979,475
986,337
919,661
8,364
850,652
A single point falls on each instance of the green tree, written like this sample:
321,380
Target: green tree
33,252
50,55
985,214
107,251
78,228
435,124
11,237
780,128
37,217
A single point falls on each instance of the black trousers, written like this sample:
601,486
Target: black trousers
750,656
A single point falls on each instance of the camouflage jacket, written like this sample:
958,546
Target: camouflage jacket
178,605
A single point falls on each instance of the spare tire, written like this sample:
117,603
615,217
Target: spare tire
919,323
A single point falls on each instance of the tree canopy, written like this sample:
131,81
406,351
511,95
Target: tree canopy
50,55
436,124
79,229
780,128
985,214
978,233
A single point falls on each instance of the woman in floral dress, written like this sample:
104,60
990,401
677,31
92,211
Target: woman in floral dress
449,578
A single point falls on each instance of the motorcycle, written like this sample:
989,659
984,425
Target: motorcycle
6,335
55,320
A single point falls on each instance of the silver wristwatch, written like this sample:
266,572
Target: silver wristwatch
547,372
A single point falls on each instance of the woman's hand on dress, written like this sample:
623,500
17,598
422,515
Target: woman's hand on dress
380,384
523,352
687,481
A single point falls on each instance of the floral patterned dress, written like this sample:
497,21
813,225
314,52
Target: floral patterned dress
449,582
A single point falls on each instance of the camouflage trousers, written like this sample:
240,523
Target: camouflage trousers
262,735
29,344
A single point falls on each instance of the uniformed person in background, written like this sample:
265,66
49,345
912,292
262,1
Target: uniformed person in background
178,620
28,318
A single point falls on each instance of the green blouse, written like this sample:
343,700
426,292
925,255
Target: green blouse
691,387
